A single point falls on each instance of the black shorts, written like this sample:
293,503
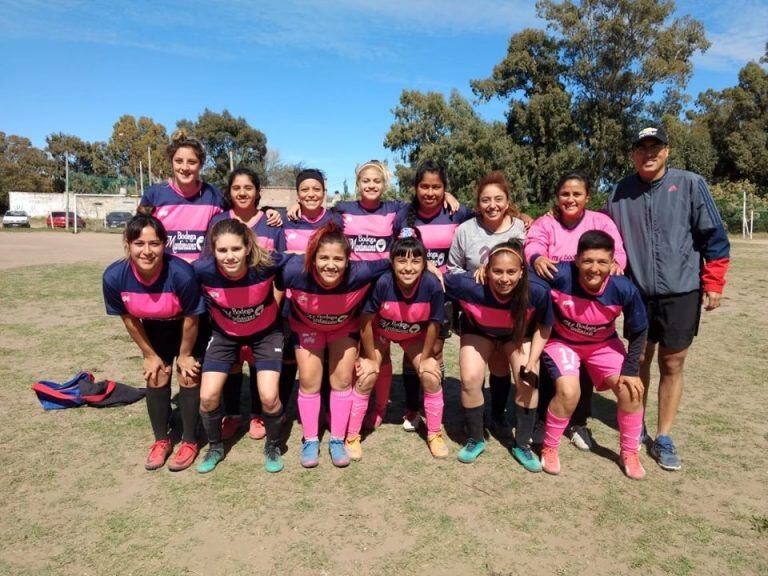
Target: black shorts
165,337
673,321
223,351
467,327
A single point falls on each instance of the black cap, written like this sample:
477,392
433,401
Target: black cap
650,132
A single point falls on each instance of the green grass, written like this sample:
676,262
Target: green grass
76,499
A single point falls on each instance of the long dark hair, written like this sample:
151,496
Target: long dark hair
431,167
226,201
518,304
137,223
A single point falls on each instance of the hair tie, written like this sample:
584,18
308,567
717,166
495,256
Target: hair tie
407,233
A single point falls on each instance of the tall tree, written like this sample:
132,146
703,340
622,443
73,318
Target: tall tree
222,133
130,143
428,127
610,57
23,167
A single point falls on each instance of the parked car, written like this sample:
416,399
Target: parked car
57,220
16,219
117,219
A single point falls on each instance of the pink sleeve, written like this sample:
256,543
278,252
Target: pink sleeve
537,239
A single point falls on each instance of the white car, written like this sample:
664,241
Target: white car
16,219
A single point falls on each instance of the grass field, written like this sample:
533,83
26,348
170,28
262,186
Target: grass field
76,500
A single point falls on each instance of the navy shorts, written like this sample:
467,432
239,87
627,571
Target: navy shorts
223,351
466,327
673,321
165,337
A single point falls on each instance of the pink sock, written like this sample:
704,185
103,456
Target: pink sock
309,410
357,414
630,428
341,406
383,384
433,409
555,428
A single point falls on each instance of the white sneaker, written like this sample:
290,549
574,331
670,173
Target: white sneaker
412,421
581,438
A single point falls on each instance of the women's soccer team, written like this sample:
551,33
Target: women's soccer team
212,281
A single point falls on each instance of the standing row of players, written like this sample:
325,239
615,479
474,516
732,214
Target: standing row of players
243,285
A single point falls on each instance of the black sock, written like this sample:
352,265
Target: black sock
584,407
231,394
189,406
500,388
272,425
526,420
255,400
287,382
474,419
412,388
325,385
212,424
159,409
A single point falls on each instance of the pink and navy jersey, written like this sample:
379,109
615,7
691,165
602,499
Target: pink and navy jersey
297,233
369,232
484,311
323,309
437,231
400,318
171,294
239,307
548,237
585,318
269,237
185,218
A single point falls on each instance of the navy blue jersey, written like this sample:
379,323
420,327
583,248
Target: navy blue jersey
489,314
585,318
243,306
171,294
185,218
437,231
399,317
327,309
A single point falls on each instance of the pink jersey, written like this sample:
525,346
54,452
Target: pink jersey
548,237
370,232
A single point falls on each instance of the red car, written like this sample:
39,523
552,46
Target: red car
57,220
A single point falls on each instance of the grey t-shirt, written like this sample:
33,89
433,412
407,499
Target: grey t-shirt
472,244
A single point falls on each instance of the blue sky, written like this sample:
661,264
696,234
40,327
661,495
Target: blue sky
318,78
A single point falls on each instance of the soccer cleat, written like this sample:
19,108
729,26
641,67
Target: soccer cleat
273,457
630,462
256,430
158,454
527,458
665,453
310,453
411,421
212,457
229,426
581,437
339,456
437,445
354,448
471,450
184,457
550,460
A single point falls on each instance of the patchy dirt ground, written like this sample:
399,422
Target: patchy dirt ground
77,501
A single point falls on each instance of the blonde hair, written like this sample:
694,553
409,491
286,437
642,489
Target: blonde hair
376,165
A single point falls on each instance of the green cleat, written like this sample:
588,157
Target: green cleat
212,457
471,450
273,458
527,458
